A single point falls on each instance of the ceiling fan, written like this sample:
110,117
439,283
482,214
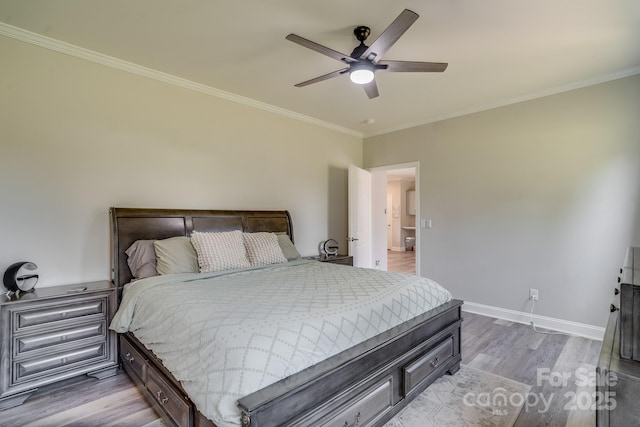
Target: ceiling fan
365,60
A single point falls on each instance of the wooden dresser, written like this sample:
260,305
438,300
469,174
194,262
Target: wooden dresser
618,374
53,334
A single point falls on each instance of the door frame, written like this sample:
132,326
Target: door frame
389,219
376,171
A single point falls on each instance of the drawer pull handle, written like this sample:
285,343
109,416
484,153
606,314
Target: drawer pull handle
63,338
63,314
435,362
129,358
612,308
63,360
161,397
355,424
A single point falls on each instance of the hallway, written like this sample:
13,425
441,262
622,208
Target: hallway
401,261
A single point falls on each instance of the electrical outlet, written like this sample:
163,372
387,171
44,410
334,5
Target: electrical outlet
533,294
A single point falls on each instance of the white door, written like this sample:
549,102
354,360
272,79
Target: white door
360,216
389,219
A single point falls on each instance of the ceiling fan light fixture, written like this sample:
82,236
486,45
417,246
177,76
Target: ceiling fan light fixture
361,74
365,60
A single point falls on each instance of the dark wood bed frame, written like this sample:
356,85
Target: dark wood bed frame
364,385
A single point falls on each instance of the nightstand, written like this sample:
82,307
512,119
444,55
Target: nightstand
336,259
53,334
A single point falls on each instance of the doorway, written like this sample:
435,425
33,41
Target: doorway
395,213
401,225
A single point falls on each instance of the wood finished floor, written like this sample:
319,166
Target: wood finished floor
515,351
401,261
507,349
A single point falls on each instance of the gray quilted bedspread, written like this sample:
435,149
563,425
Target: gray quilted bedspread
225,335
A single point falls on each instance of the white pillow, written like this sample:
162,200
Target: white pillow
220,251
263,249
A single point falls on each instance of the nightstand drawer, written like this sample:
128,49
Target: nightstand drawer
25,344
29,369
28,318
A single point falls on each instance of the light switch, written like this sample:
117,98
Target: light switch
425,223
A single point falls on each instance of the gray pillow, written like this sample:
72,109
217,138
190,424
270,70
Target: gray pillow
141,257
176,255
288,250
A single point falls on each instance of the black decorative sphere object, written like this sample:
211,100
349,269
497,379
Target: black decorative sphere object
330,247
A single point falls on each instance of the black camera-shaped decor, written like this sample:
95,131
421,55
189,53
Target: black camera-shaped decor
20,277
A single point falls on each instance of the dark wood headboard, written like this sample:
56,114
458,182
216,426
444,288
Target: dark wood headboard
131,224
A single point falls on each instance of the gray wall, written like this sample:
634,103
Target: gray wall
77,137
541,194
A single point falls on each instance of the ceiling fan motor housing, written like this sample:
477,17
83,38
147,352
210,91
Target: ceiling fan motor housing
362,33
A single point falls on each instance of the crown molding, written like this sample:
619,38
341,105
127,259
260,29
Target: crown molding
129,67
119,64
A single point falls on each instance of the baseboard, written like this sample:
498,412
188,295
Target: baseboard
566,326
398,248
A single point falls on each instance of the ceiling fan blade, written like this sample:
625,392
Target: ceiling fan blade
411,66
391,35
320,49
324,77
371,89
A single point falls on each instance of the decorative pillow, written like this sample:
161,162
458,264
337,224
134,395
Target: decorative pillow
175,255
288,250
220,251
263,248
141,257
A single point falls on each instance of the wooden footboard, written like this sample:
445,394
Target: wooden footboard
365,385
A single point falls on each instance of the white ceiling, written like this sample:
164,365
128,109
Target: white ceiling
499,51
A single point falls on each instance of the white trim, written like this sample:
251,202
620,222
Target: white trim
502,103
398,249
566,326
119,64
129,67
397,166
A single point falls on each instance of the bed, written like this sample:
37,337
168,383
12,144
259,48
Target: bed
355,378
